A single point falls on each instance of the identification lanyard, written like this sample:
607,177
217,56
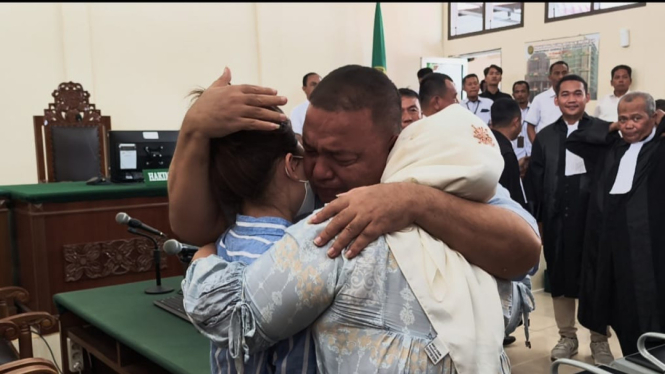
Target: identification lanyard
477,105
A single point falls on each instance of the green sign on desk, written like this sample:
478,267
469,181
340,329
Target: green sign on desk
155,176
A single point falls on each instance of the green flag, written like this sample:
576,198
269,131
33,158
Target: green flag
379,48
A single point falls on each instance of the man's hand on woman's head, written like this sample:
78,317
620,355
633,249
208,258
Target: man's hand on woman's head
224,109
362,215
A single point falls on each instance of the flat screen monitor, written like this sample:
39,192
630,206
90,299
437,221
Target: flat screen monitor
130,152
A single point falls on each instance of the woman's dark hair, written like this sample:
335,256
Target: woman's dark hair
243,164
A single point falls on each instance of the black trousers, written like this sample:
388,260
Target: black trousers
624,319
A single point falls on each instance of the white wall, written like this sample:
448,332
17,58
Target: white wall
31,68
139,61
147,57
295,39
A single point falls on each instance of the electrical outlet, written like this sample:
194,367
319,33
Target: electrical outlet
75,353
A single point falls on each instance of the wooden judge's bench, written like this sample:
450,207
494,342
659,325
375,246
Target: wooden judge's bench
61,235
65,237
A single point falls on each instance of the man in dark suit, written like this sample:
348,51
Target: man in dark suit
493,76
506,126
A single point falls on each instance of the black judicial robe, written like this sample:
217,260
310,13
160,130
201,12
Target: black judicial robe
560,203
623,270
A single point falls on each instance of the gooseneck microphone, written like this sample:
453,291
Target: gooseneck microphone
134,226
124,219
174,247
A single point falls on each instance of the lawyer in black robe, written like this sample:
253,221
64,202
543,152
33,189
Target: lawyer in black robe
560,203
623,270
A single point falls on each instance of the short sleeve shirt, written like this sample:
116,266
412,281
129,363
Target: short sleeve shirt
543,111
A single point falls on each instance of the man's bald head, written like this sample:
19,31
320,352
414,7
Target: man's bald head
437,91
353,88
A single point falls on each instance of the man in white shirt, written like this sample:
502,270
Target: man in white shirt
544,111
411,111
309,82
606,109
479,106
522,145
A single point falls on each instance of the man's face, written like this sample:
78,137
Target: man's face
558,71
520,93
572,98
634,122
439,103
410,110
343,150
493,77
471,87
621,80
312,81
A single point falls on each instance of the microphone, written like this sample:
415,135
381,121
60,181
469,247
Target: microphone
173,247
124,219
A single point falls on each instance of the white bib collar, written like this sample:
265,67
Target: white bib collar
626,173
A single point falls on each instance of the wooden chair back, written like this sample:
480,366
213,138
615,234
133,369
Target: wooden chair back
71,138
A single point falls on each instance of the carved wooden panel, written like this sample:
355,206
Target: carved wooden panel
103,259
71,105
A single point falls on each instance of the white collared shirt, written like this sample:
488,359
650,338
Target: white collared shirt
298,117
543,111
481,108
607,108
526,149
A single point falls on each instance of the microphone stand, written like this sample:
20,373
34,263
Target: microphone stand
157,289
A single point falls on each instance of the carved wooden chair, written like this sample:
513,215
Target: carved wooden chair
18,326
71,137
29,366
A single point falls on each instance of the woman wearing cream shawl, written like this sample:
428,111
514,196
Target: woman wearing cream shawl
456,152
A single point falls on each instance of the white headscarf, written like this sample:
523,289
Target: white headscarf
456,152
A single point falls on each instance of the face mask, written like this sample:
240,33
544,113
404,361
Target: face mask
308,201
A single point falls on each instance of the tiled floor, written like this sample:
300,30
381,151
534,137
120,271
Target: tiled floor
543,336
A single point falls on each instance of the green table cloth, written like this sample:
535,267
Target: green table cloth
80,191
127,313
